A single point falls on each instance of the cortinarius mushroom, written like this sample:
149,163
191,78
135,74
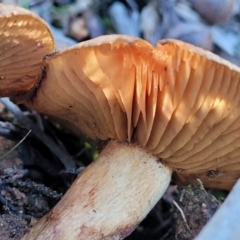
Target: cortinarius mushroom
25,39
173,107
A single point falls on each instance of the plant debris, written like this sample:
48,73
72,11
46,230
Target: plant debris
194,208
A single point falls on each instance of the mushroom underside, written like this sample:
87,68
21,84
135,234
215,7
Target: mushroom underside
178,102
159,99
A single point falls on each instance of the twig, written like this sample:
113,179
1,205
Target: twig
182,214
25,186
38,120
5,154
166,235
66,160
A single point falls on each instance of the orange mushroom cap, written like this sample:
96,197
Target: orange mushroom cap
25,39
177,101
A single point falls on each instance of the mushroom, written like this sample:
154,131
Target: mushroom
169,108
25,39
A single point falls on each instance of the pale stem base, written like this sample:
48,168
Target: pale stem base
108,199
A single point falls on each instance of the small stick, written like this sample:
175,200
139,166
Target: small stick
182,214
66,160
5,154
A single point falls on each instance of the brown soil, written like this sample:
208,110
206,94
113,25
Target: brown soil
193,209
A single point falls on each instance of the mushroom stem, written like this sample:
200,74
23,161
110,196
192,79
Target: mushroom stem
122,184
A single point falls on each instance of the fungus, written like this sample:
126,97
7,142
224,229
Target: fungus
169,108
25,40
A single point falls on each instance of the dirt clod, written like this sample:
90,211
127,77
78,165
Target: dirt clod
14,226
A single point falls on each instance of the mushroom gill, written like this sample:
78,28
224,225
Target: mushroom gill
179,102
25,39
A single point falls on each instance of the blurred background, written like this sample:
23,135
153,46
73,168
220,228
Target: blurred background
211,24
